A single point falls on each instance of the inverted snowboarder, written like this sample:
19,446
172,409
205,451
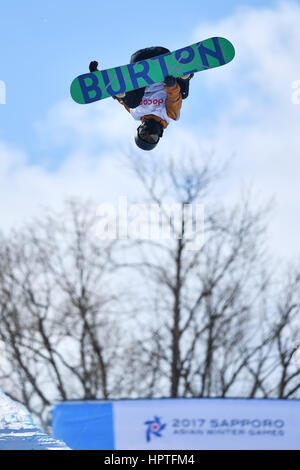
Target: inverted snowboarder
154,105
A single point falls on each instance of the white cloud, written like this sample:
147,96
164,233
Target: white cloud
90,139
27,188
84,126
254,117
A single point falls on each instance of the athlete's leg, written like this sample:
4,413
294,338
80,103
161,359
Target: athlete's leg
133,98
184,84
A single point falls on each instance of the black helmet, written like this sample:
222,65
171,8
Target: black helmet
148,134
148,53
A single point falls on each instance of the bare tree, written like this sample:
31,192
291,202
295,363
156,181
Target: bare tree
60,314
209,333
279,375
82,318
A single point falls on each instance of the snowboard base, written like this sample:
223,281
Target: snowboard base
207,54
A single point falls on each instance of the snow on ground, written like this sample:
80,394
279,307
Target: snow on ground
18,431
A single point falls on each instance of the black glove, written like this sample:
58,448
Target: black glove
93,66
169,81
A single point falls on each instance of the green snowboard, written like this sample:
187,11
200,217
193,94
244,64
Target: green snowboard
203,55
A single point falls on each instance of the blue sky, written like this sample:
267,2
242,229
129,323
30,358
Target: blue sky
45,44
51,148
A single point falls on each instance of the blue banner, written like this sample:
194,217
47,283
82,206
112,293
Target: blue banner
84,425
179,424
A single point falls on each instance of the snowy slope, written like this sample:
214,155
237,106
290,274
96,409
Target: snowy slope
18,431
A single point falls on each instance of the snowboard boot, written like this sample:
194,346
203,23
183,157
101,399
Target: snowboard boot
184,83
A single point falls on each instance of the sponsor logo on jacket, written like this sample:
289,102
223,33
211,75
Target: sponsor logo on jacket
155,102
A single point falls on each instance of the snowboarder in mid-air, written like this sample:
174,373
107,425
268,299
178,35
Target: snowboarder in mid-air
155,105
